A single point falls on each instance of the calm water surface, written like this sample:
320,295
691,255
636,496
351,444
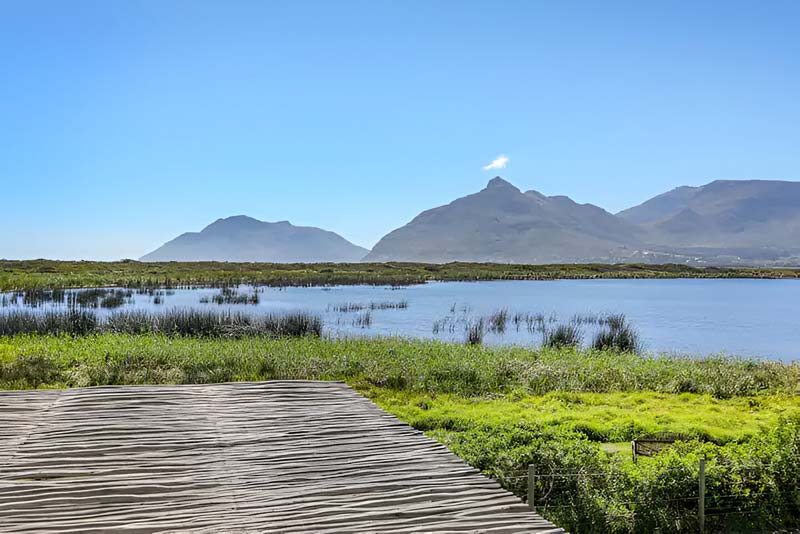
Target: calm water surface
742,317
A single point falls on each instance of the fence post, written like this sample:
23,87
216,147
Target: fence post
531,487
701,501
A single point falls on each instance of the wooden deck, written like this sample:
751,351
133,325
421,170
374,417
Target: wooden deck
245,457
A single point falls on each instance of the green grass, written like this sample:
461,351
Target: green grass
396,363
603,417
32,274
567,411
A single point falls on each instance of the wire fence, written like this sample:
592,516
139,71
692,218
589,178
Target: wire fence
707,505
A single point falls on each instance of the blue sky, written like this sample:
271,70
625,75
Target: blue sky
123,124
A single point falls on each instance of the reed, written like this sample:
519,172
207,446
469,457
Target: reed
349,307
189,323
618,335
72,321
230,295
32,274
497,321
563,336
475,332
363,320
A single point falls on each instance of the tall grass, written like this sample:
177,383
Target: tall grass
618,335
16,275
534,322
496,322
363,320
349,307
192,323
475,332
418,365
563,335
72,321
230,295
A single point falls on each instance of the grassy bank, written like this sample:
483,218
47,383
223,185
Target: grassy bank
395,363
21,275
569,412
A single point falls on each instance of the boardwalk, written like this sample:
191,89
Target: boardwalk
244,457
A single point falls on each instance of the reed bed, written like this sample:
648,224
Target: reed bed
83,298
475,332
72,322
33,274
496,322
231,295
563,335
617,335
349,307
363,320
191,323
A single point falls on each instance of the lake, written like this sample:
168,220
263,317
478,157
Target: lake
743,317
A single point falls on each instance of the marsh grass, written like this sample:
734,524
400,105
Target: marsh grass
231,295
350,307
618,335
496,322
193,323
36,297
115,298
562,336
72,321
32,274
475,332
80,298
176,322
363,320
533,322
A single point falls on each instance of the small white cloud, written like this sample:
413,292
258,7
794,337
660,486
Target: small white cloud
499,162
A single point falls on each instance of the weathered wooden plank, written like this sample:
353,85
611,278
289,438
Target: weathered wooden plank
282,456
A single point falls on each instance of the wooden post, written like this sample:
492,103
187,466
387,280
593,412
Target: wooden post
532,487
701,501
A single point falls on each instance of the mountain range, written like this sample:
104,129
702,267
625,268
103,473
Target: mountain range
245,239
724,222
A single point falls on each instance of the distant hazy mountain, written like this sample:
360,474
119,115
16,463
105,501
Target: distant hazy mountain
753,219
502,224
245,239
724,222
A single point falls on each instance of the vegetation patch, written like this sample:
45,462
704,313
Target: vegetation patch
176,322
49,274
568,411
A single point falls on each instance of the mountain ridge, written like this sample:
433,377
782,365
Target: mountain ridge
244,238
724,222
501,223
736,214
